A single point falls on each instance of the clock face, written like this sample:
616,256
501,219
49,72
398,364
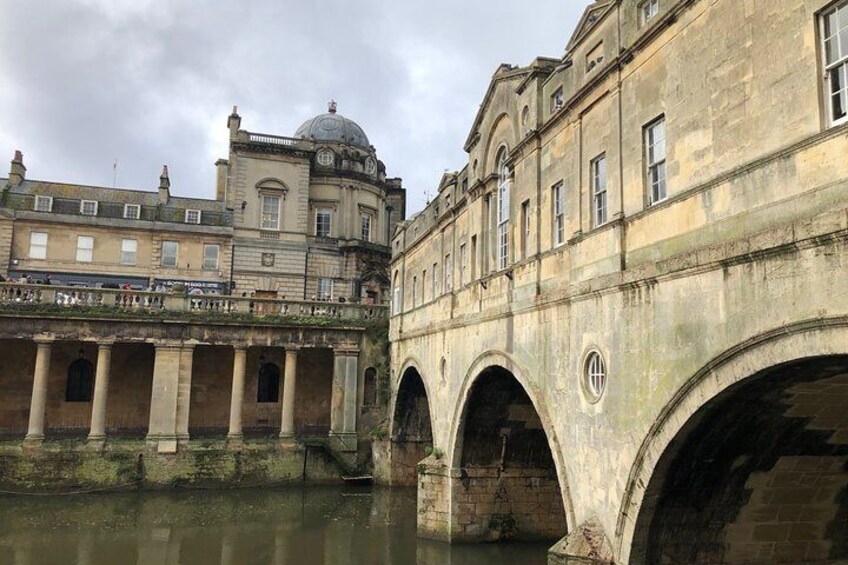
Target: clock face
370,166
326,157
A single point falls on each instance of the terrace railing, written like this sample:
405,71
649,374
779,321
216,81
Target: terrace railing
152,303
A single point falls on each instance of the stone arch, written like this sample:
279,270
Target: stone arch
493,358
502,133
411,424
738,369
271,183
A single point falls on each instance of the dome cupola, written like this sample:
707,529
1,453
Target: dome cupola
333,127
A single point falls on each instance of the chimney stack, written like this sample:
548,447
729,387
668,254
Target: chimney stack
17,173
221,170
234,123
164,186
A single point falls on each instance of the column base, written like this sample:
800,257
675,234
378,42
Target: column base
96,443
288,440
162,443
33,443
235,441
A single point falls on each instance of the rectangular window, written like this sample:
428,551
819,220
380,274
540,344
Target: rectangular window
473,257
210,257
525,229
557,100
558,223
169,253
323,217
270,213
88,207
599,191
85,248
325,289
365,231
463,265
414,290
647,10
132,211
43,203
503,220
434,284
37,245
129,249
835,36
192,216
448,270
655,160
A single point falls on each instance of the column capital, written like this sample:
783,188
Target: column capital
240,347
105,344
293,348
345,350
43,340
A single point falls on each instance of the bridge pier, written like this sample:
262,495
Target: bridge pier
483,504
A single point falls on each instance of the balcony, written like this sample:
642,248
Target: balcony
51,300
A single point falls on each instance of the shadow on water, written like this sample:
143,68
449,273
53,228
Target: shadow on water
312,526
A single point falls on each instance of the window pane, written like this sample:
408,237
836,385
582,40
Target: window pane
39,238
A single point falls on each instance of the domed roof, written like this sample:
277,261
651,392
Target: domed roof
333,127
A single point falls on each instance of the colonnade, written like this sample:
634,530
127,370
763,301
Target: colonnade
168,426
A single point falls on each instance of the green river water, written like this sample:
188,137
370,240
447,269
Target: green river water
295,526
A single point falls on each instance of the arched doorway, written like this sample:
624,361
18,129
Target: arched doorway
758,475
412,432
505,466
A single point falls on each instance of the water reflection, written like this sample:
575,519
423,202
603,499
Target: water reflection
314,526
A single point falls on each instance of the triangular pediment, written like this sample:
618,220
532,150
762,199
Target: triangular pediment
593,14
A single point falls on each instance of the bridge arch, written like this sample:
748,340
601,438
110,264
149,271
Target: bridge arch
411,425
497,392
749,461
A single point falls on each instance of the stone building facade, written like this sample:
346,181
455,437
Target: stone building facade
624,323
135,322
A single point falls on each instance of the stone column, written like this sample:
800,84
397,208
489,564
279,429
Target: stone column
38,401
101,390
343,414
184,392
289,382
237,395
162,430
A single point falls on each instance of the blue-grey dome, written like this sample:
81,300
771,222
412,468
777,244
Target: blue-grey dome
333,127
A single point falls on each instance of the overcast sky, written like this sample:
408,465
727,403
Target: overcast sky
146,82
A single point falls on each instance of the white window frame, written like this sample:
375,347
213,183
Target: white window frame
503,212
448,270
837,69
594,376
366,221
38,248
129,251
270,219
558,208
192,216
176,254
329,228
324,294
598,178
208,265
37,204
525,229
655,157
89,203
648,10
132,216
326,157
396,295
435,281
557,100
85,249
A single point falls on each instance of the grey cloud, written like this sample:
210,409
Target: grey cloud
86,81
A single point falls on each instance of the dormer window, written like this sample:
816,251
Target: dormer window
595,57
557,100
88,207
192,216
132,211
647,10
43,203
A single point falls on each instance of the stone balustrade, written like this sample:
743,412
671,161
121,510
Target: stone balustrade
152,302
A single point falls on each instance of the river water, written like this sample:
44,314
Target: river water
295,526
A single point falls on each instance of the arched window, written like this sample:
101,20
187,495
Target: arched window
80,380
503,210
268,389
369,390
396,288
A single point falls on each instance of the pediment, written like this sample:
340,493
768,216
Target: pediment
591,17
